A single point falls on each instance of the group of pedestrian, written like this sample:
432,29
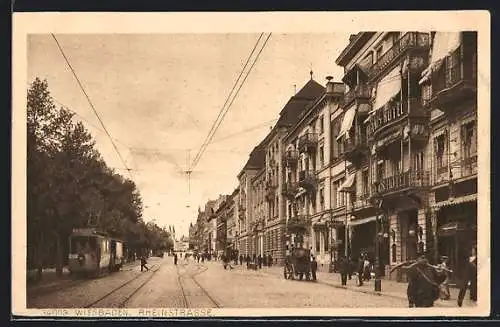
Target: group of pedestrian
257,261
362,268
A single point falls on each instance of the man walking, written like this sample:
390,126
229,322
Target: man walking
143,263
470,279
175,258
343,270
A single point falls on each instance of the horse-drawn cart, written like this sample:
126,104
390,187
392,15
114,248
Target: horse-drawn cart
298,264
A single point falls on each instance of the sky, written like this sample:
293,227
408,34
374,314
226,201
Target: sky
159,94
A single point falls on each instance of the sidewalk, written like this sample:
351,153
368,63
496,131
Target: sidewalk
389,287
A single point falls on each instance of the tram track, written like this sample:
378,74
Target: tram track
191,276
127,298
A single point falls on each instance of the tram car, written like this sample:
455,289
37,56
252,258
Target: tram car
298,264
93,253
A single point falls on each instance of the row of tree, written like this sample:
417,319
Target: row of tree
70,186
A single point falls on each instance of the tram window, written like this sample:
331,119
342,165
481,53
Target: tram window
78,243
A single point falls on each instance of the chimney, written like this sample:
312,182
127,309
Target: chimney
351,37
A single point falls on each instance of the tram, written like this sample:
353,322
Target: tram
93,252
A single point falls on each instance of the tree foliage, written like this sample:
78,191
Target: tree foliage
70,186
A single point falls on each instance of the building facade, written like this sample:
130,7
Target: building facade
231,222
259,212
450,84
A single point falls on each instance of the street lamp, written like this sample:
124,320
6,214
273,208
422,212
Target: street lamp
379,218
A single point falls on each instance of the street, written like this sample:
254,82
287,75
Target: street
208,285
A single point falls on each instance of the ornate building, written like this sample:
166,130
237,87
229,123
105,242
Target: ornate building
450,84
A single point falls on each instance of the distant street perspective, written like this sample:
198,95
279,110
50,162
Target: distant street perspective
192,284
343,175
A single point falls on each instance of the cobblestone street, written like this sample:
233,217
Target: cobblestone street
209,285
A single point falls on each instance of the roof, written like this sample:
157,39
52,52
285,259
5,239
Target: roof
355,44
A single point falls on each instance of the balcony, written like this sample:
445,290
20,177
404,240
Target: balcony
454,81
307,179
406,181
290,189
395,112
359,92
409,41
298,224
308,142
355,148
291,157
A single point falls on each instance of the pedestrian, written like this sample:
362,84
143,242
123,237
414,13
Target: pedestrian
423,286
270,260
445,287
144,263
314,268
343,270
350,266
247,259
366,268
360,270
259,261
241,259
175,258
469,279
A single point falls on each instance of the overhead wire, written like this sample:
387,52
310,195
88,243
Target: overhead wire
214,124
91,104
203,148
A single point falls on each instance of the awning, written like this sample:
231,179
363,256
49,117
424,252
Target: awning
347,122
444,43
387,88
454,201
347,185
300,192
452,228
361,221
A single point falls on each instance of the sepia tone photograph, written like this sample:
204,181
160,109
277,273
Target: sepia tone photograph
172,173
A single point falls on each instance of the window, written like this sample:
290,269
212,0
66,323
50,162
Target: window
469,143
366,182
338,198
322,199
321,156
439,146
335,132
317,240
379,52
321,125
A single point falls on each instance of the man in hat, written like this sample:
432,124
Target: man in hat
470,279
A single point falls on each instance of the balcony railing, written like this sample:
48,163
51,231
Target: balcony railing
455,75
308,140
362,201
291,157
358,142
401,181
410,40
299,222
360,91
307,178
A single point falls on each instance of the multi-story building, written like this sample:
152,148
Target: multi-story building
259,211
276,162
450,93
231,221
210,228
384,136
255,163
219,213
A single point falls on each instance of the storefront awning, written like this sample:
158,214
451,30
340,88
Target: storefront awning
444,43
300,192
361,221
454,201
347,185
451,228
387,88
347,122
